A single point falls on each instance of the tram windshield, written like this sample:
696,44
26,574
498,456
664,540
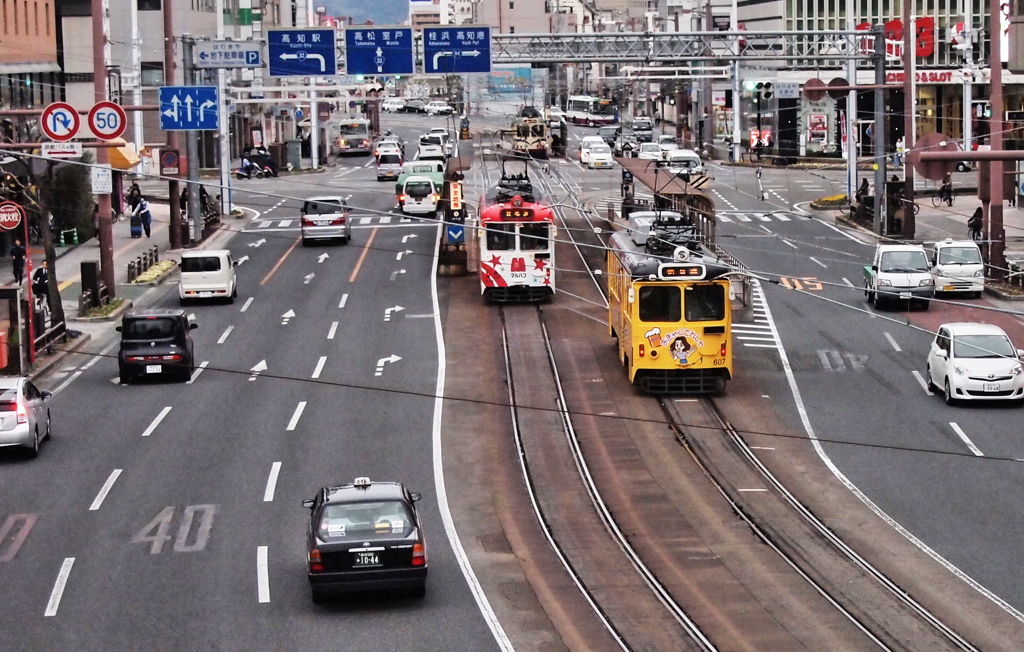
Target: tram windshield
354,129
501,237
533,237
705,303
660,303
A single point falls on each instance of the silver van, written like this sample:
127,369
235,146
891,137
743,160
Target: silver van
325,218
389,166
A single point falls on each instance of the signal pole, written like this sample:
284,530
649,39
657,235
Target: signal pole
99,70
174,228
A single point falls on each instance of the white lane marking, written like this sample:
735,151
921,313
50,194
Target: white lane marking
156,421
263,225
750,490
101,354
970,444
248,302
893,342
742,218
334,329
295,417
782,218
199,370
268,493
922,383
761,346
442,495
818,262
66,382
790,244
763,217
847,281
364,220
104,490
284,223
58,587
320,366
344,300
262,575
223,338
724,218
386,219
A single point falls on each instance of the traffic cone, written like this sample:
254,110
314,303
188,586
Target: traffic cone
60,239
74,235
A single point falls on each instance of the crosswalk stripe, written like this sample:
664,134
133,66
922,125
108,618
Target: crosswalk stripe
724,218
385,220
780,217
742,218
364,220
284,223
265,224
763,217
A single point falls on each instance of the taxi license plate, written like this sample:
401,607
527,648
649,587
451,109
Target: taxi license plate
153,368
367,559
904,295
205,295
947,288
991,387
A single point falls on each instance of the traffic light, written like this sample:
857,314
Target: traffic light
759,88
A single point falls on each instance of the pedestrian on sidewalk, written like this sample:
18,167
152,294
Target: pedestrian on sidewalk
140,215
18,261
657,118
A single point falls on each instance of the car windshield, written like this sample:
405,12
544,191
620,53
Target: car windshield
418,189
389,159
685,163
903,261
642,125
430,140
322,207
149,328
370,520
650,147
983,346
608,131
200,264
603,149
959,256
660,303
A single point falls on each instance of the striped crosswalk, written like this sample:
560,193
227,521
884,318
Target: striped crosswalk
758,216
263,226
758,334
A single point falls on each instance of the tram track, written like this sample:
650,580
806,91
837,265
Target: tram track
695,638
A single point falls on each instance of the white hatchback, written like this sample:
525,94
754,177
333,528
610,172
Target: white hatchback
969,361
600,157
586,145
650,152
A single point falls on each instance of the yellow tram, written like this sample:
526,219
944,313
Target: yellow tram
669,306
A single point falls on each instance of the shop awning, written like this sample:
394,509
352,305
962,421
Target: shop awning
124,157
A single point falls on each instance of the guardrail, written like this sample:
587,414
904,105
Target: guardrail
85,303
142,263
56,332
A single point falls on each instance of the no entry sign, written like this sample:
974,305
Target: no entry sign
10,215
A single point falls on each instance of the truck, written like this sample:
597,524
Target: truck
957,266
898,273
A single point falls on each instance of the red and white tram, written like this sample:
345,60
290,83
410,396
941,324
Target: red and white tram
517,248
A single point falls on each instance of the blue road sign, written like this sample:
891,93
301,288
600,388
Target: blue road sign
379,51
184,108
301,53
455,233
456,49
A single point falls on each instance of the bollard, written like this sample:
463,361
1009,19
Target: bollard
156,254
131,271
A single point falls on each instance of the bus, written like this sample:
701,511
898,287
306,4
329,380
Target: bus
351,136
590,111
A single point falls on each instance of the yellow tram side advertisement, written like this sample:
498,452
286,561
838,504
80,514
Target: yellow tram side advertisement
669,307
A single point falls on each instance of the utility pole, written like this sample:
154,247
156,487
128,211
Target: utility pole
137,123
737,100
909,108
223,128
174,226
996,236
99,70
195,214
968,50
878,131
851,123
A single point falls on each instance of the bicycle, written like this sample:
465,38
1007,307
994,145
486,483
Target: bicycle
945,194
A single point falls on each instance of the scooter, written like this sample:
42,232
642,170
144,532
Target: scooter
251,172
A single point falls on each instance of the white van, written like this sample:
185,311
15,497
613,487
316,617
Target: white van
419,196
207,274
393,104
957,266
685,161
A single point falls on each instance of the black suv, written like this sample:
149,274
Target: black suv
156,344
365,536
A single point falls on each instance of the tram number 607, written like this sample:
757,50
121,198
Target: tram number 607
718,362
810,283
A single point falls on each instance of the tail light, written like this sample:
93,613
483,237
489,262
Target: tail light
419,554
643,350
376,153
23,418
172,358
437,197
316,565
136,358
401,199
721,351
366,143
307,222
338,220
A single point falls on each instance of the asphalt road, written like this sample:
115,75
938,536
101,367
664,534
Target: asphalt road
206,479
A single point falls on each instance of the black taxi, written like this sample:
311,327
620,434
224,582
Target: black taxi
365,536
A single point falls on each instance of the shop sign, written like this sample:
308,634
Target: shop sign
787,90
924,39
924,77
817,127
718,98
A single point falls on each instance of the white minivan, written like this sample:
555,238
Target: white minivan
957,266
419,196
207,274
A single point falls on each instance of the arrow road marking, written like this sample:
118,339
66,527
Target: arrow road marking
380,363
402,253
394,275
258,243
406,238
261,366
243,259
286,316
389,311
322,257
308,277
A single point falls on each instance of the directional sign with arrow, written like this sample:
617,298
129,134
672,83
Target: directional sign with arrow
390,311
379,51
302,53
184,108
380,363
463,50
455,233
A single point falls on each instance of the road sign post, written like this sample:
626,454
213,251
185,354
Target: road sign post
461,50
379,51
302,53
184,108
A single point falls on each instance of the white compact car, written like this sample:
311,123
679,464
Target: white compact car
650,152
392,104
969,361
586,145
207,274
600,157
957,266
685,162
439,108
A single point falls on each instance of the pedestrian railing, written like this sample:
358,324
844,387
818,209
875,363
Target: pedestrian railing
57,332
141,264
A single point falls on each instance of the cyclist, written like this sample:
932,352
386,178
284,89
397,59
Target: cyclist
974,224
946,191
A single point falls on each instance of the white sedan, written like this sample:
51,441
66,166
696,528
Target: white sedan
588,144
969,361
600,157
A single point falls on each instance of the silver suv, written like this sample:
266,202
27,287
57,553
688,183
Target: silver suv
24,415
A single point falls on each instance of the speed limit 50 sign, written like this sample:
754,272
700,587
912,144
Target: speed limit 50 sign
107,120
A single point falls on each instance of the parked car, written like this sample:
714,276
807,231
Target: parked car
156,343
393,104
969,361
24,415
438,107
207,274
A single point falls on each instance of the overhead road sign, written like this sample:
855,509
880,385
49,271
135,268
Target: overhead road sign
379,51
107,120
60,121
184,108
62,150
301,53
461,50
227,54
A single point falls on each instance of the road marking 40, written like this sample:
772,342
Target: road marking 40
157,532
